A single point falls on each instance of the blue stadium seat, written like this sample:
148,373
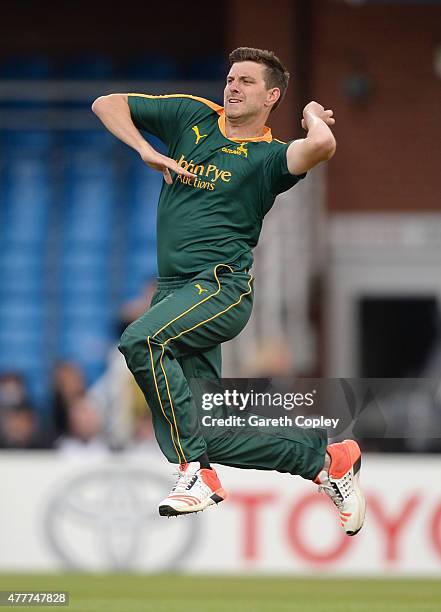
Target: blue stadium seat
141,269
75,239
145,194
90,312
85,256
20,272
19,357
89,201
27,67
85,289
27,200
90,350
27,141
81,140
27,186
24,68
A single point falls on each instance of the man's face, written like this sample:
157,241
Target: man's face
245,93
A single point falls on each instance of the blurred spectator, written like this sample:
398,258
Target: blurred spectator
84,434
143,437
119,398
13,390
272,358
68,386
19,429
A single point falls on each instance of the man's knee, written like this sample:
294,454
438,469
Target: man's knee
134,345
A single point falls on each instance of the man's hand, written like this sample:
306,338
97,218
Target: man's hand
163,164
317,110
319,144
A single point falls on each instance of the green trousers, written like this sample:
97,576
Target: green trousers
179,339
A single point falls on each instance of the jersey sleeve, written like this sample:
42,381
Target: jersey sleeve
276,174
162,116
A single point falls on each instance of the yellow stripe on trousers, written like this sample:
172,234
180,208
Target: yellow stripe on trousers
172,407
162,367
160,402
163,344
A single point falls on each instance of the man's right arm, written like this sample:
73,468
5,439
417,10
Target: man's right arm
114,112
319,144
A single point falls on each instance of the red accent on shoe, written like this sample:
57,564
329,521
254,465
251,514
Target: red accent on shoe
183,467
192,497
189,500
210,478
343,456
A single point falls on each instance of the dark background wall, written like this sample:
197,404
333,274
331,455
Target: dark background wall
70,28
388,137
389,145
374,66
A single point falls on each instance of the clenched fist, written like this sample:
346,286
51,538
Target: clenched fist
315,110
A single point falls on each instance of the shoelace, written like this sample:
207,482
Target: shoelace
332,491
185,481
338,493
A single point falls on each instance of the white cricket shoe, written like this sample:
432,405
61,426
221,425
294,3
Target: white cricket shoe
342,485
196,489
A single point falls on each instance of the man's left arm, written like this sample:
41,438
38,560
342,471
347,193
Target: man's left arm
319,144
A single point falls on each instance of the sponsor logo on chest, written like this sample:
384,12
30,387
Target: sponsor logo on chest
208,175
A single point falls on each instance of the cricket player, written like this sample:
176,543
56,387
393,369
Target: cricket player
222,174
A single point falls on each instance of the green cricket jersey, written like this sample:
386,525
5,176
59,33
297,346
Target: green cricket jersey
217,217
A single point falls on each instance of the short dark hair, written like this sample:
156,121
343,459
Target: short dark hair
276,75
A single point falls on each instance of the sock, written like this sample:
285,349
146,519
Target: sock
204,462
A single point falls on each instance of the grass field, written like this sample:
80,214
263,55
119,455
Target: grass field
168,593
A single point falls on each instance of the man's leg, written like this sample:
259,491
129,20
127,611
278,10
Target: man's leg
335,468
158,345
294,450
209,309
178,339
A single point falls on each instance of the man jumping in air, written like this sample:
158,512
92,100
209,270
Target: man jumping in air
222,174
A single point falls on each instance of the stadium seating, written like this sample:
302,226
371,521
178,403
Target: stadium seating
77,238
77,221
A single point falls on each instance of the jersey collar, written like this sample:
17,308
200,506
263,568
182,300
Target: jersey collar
267,136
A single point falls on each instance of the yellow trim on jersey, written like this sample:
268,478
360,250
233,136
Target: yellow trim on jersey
281,141
209,103
267,136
